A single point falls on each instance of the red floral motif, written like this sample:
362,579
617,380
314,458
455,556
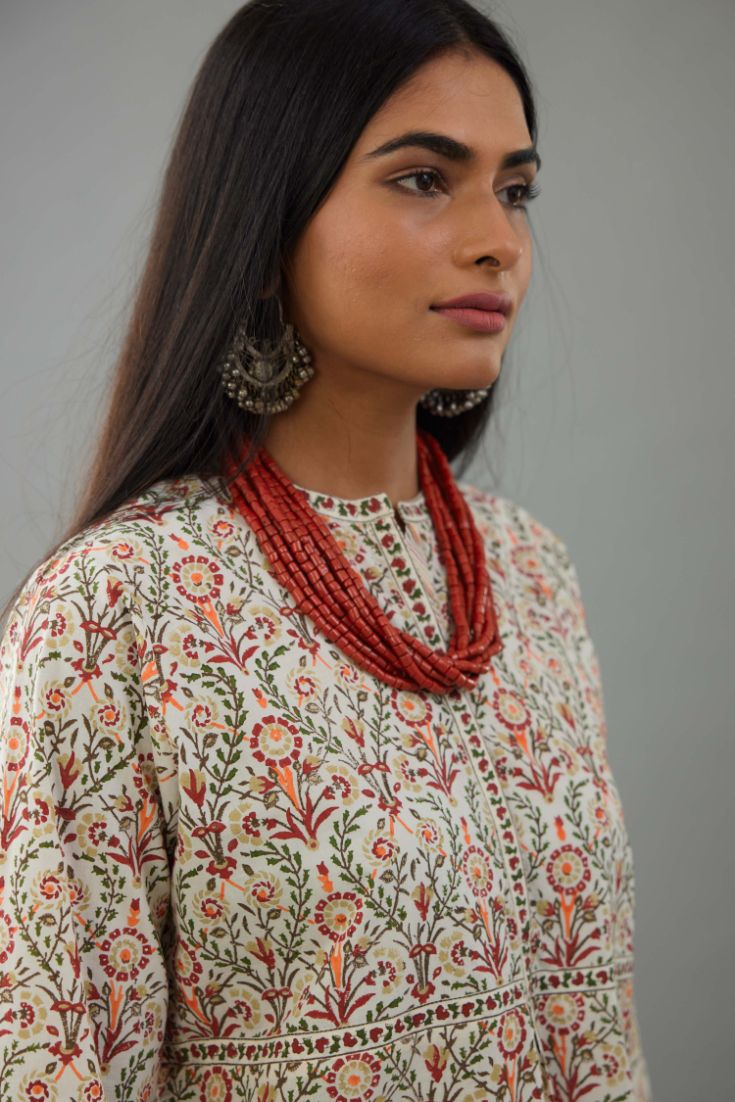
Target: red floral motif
354,1078
275,742
339,915
188,967
125,953
511,1034
568,869
478,871
563,1013
16,743
216,1086
510,709
197,578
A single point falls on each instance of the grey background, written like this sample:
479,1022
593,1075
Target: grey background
615,427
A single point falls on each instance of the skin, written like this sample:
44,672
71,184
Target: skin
374,258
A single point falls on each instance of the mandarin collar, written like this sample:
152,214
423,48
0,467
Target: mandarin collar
365,508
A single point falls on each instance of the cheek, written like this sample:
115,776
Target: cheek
354,260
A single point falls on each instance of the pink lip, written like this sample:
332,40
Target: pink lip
484,321
478,300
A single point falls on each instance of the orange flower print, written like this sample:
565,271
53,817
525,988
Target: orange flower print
56,699
216,1085
379,849
568,869
264,891
478,871
339,915
510,709
563,1012
37,1088
511,1033
188,967
16,743
411,708
353,1078
275,742
124,954
527,559
197,578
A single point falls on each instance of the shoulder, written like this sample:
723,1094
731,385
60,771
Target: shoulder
98,568
516,527
538,560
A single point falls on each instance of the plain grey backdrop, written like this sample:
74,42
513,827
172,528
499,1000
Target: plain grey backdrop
616,428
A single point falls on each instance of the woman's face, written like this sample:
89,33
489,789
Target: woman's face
379,253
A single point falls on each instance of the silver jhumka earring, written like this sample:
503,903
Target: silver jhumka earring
266,377
448,403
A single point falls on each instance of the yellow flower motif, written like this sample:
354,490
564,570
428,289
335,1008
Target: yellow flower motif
452,953
56,699
344,783
264,891
614,1062
201,716
243,1008
92,833
210,907
266,620
63,625
183,645
243,821
29,1013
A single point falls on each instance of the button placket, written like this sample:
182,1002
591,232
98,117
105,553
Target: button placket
403,544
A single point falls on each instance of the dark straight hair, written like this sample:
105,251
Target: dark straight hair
281,97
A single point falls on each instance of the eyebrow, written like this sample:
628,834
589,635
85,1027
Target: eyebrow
448,147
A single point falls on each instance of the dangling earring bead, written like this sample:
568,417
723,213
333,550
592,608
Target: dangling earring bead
448,403
266,377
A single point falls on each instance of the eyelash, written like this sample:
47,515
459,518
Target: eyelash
530,191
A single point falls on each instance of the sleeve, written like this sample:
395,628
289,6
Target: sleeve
84,860
573,617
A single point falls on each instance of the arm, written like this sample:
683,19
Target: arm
84,867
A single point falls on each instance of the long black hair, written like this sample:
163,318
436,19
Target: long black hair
282,95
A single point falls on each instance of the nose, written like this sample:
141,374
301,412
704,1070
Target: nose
487,227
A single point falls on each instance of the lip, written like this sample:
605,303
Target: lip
483,321
478,300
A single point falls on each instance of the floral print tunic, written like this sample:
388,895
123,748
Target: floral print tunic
237,868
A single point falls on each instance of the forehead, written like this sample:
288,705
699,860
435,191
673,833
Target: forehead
465,94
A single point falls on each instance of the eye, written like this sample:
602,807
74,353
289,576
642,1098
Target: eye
524,192
527,193
431,173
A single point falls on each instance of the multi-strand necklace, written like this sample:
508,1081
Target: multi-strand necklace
307,560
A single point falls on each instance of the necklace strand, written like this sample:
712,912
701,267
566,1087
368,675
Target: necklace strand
307,560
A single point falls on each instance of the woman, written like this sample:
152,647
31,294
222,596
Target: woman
305,773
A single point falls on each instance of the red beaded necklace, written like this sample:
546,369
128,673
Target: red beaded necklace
307,560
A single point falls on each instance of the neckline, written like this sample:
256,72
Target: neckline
365,508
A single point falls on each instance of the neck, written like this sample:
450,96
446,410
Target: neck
347,446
